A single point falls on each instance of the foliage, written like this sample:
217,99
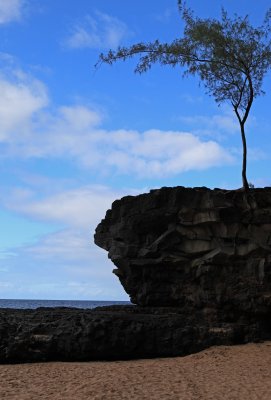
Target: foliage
230,56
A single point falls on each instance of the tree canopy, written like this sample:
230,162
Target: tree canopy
230,56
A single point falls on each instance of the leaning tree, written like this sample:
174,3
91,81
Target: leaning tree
230,56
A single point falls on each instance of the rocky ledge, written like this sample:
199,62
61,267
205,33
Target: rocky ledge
192,247
197,262
120,332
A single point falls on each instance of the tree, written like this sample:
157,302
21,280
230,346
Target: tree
230,56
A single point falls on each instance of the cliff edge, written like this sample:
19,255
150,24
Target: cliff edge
192,247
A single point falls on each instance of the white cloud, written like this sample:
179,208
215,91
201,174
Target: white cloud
72,134
21,97
73,249
29,129
214,126
10,10
78,211
79,208
69,255
100,32
65,263
79,117
156,153
151,154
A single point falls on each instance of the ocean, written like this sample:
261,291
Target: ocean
32,304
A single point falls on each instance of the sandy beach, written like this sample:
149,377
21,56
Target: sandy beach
219,373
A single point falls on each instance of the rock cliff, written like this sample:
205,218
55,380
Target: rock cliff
196,261
192,247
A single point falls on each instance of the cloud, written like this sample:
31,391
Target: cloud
100,32
72,134
69,245
21,97
148,154
79,208
78,211
215,126
31,128
10,10
65,263
156,153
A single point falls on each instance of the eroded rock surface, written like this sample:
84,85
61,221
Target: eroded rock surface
192,247
196,261
119,332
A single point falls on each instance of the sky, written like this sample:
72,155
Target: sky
74,138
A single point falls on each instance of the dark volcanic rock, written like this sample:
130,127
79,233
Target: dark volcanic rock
196,261
192,247
119,332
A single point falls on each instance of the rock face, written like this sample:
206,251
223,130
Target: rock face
196,261
192,247
119,332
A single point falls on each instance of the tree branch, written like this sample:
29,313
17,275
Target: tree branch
112,57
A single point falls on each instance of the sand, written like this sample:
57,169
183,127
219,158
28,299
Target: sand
219,373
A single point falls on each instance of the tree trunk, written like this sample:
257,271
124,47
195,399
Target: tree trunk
244,166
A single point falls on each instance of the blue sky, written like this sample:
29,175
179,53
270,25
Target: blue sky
73,139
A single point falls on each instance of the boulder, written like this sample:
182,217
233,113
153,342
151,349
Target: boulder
192,247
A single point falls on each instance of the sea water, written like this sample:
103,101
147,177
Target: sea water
32,304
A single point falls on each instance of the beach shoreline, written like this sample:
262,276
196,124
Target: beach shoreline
221,373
